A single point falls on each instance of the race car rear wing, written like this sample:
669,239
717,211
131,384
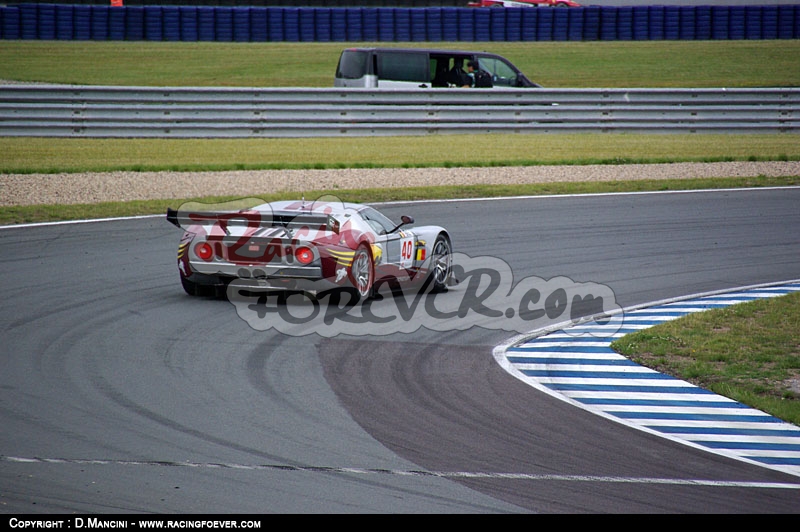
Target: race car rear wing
252,219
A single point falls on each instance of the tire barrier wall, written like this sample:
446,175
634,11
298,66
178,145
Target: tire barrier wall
311,24
186,112
275,3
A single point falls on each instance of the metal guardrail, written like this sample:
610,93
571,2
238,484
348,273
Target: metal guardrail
186,112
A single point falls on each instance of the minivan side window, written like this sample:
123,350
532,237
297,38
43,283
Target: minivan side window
399,66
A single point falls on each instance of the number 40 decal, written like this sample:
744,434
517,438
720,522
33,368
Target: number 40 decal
407,250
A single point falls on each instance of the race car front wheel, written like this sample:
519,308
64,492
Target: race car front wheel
441,263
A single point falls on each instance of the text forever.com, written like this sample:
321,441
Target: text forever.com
485,295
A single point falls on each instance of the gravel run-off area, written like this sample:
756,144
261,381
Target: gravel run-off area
73,188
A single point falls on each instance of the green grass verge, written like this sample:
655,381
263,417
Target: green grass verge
749,352
54,155
743,63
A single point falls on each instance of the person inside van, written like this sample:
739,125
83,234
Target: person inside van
459,78
480,78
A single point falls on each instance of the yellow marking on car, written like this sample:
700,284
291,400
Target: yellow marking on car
377,253
343,258
182,248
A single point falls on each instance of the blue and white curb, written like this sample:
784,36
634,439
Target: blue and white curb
575,363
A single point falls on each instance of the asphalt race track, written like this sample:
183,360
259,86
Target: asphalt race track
119,393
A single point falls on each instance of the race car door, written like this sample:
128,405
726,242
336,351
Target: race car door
396,247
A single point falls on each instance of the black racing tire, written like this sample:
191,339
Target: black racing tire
362,273
188,286
196,289
441,263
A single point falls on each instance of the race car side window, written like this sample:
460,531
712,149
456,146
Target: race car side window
380,223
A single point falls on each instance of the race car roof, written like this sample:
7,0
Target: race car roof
303,206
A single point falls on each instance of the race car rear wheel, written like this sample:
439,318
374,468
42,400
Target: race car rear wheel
196,289
362,272
204,290
441,263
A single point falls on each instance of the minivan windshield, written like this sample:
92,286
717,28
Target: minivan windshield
352,64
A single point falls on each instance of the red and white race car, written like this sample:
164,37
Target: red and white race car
309,247
524,3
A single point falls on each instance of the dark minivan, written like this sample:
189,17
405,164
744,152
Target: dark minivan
406,68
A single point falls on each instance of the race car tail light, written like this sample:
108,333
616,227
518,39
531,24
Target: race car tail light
304,255
204,251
